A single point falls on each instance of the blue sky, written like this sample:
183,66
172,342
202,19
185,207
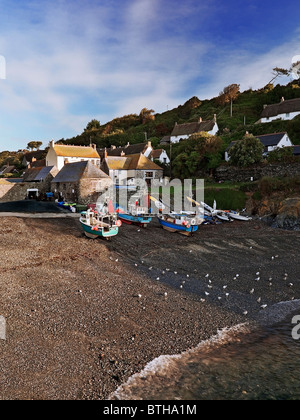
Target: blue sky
68,62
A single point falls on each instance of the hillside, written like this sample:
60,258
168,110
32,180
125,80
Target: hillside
247,109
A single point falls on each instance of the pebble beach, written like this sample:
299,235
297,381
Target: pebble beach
82,315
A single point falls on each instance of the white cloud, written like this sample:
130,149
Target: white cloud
68,63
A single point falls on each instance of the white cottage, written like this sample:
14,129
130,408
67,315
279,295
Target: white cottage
184,131
270,142
60,154
285,110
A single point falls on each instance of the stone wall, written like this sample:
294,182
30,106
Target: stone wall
231,173
16,191
84,192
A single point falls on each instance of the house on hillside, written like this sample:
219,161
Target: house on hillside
80,182
184,131
35,158
285,110
122,169
7,169
130,149
160,155
269,141
60,154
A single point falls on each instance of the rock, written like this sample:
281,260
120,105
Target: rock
288,216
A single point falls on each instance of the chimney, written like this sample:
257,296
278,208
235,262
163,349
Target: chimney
215,118
113,147
247,133
149,144
94,146
127,145
123,154
105,153
52,143
200,120
265,106
282,99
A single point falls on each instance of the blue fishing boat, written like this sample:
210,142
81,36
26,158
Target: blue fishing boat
97,225
178,223
136,220
136,214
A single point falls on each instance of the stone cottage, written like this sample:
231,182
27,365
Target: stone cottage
80,182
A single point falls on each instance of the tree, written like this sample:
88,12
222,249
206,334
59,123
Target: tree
93,125
146,115
246,152
34,145
228,95
201,152
281,154
278,71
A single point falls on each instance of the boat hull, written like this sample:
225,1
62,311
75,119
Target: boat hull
136,220
173,227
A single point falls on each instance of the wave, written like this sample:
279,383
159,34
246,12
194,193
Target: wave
173,375
168,367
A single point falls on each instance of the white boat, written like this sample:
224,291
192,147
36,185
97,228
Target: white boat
238,216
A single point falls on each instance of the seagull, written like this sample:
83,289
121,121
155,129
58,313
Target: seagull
165,294
209,281
181,286
175,272
139,295
270,284
157,278
135,265
258,273
150,268
227,295
263,306
245,313
225,286
259,300
219,297
234,278
188,275
207,275
202,300
251,291
210,286
291,285
257,279
237,275
117,259
206,293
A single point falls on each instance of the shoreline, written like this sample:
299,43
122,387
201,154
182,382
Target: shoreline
82,318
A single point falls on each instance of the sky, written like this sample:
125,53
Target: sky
66,62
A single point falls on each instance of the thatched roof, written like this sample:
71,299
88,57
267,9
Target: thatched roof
284,107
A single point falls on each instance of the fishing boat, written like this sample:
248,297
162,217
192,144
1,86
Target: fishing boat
180,223
136,214
96,224
237,216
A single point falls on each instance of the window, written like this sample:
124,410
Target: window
149,174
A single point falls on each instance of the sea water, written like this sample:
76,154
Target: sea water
244,362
